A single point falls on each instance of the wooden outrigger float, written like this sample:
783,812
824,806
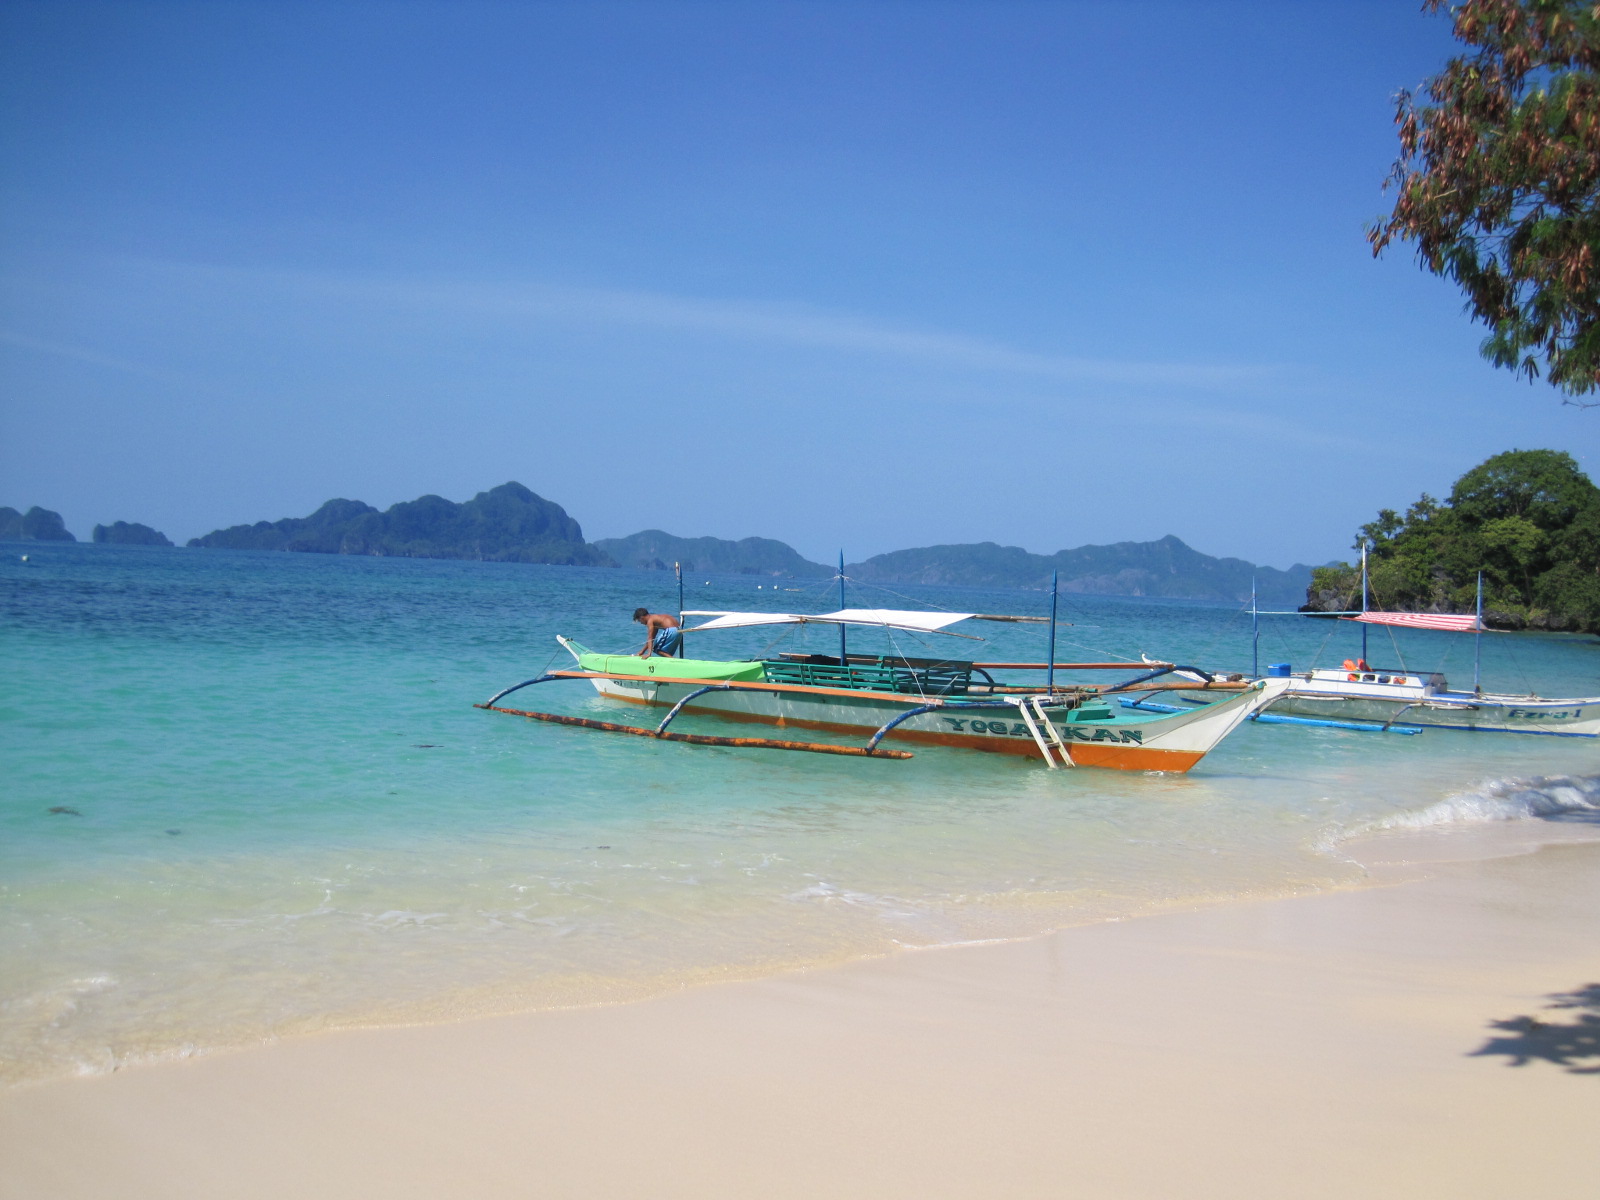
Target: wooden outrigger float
941,702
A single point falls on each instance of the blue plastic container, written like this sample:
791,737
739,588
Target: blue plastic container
1278,671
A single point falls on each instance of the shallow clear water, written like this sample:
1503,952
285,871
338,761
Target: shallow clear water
286,814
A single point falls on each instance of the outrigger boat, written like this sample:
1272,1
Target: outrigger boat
1398,698
1358,692
938,702
1425,700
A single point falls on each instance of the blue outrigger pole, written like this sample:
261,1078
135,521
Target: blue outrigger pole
1477,644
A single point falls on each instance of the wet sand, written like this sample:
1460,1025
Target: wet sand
1333,1045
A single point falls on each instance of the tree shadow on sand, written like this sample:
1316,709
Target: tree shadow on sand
1573,1044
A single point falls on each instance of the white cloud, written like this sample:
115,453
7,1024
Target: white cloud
80,354
748,320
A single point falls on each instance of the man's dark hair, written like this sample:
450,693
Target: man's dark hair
640,614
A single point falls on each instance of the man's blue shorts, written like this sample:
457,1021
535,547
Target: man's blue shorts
666,641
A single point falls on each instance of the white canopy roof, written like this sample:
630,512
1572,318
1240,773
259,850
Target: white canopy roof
883,618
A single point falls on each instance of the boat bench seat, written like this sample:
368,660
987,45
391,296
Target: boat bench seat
879,675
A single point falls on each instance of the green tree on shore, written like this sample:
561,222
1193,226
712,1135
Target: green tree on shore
1528,519
1499,182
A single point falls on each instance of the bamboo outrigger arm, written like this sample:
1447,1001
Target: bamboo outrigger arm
923,708
700,739
1161,669
678,707
515,687
660,731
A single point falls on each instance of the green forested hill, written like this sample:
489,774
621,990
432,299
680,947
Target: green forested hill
1528,519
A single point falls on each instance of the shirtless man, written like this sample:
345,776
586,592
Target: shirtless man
662,633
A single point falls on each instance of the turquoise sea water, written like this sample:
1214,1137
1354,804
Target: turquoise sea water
283,813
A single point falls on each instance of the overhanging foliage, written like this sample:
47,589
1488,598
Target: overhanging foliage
1499,182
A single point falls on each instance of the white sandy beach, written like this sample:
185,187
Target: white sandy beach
1320,1046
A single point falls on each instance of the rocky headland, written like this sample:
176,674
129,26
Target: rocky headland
129,533
35,525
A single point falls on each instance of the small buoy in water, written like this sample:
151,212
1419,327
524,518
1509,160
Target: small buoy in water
24,558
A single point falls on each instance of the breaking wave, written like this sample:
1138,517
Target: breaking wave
1547,797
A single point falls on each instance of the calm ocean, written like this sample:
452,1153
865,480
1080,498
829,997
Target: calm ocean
248,794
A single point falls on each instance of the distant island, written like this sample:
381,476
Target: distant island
1163,568
129,533
505,524
512,524
1528,519
35,525
1166,568
653,550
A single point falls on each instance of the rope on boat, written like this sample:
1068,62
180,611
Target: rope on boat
700,739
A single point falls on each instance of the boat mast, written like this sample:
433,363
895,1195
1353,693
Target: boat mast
1477,644
678,567
1255,632
1050,659
844,659
1363,598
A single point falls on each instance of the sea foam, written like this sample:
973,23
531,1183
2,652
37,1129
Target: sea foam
1544,797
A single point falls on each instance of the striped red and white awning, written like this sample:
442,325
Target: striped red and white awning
1450,622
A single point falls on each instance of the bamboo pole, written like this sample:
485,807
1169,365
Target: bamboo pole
1101,666
746,684
700,739
1094,689
1219,685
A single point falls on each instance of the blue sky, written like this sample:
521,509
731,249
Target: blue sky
858,275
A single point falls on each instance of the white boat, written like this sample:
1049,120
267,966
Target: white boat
1357,692
937,702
